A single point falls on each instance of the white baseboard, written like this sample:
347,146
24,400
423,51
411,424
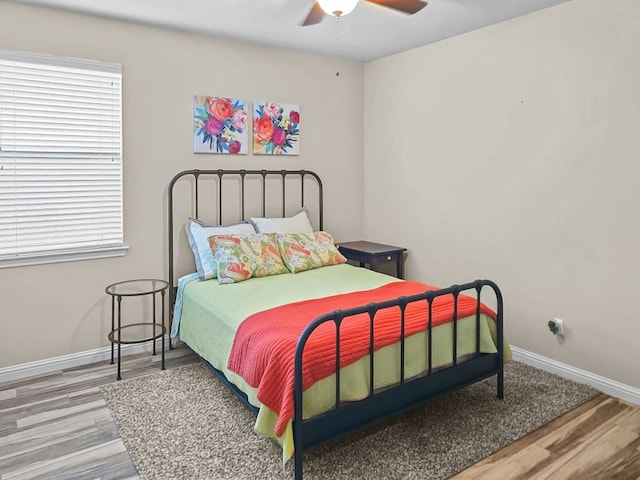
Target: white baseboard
48,365
610,387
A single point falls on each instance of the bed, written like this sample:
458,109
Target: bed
355,347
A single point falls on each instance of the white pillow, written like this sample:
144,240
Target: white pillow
199,234
298,223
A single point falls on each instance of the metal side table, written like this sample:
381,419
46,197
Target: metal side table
120,334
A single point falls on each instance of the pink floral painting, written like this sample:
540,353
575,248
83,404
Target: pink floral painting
276,128
220,125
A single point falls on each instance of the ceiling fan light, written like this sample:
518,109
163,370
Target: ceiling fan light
337,8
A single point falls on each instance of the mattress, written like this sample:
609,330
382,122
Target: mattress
209,315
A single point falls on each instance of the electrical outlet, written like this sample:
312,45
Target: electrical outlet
556,326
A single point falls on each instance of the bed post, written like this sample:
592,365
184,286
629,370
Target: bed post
500,347
500,338
298,465
172,295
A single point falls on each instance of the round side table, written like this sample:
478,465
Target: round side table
120,334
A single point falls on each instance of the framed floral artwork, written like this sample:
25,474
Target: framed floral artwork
220,125
276,128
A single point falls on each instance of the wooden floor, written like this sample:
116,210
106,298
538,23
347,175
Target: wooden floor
57,426
598,440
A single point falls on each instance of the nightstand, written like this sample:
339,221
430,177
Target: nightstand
374,254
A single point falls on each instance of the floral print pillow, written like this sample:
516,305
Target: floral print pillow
304,251
240,257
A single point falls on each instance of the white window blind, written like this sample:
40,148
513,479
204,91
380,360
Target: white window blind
60,159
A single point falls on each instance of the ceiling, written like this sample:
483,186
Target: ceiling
368,33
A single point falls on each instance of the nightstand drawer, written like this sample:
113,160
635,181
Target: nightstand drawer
374,254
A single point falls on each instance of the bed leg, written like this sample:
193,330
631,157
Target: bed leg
501,384
298,465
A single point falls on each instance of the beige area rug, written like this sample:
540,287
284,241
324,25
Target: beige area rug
185,424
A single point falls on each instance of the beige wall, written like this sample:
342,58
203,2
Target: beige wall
512,153
507,153
52,310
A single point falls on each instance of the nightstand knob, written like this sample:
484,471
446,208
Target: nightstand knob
389,258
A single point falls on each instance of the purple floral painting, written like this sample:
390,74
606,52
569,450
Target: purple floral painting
276,128
219,125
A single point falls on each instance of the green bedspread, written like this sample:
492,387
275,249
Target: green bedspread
211,313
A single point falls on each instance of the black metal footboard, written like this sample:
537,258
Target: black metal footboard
349,417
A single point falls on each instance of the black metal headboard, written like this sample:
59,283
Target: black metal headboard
238,175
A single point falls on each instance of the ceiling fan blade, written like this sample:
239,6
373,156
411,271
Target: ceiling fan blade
315,15
406,6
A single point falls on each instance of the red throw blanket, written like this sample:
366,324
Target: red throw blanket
264,346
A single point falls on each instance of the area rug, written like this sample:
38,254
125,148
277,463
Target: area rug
185,424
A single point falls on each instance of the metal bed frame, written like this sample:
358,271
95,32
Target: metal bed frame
348,417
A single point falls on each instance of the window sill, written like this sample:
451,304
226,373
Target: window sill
62,256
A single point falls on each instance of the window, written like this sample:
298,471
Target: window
60,159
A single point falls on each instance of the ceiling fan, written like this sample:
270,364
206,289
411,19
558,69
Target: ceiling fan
339,8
